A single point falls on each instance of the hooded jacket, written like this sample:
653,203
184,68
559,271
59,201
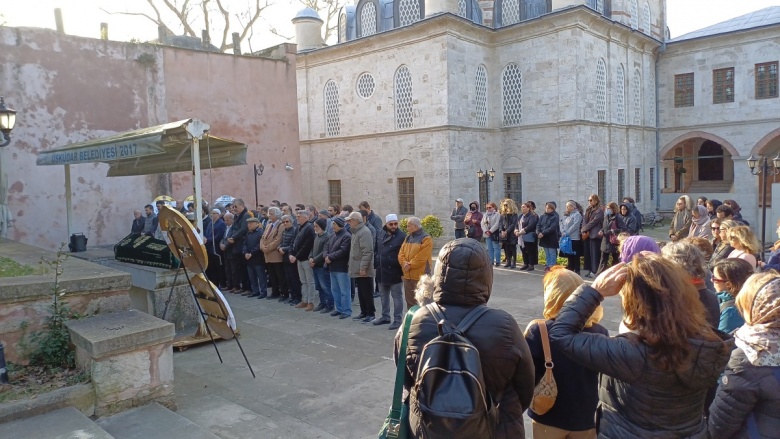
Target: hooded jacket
473,222
463,280
629,220
638,399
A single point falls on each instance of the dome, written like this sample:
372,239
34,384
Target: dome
308,14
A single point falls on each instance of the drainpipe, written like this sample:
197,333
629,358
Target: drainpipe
3,372
661,50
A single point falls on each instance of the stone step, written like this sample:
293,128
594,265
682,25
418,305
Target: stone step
152,421
67,423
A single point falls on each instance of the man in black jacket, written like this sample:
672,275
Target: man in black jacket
337,259
138,222
388,271
299,255
255,260
236,242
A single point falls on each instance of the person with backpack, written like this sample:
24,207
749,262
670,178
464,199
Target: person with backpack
490,346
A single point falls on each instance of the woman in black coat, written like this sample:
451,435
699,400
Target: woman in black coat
747,403
610,230
654,378
506,229
526,236
548,230
463,279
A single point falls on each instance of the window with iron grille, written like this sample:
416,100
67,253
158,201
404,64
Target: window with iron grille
332,127
334,192
481,96
512,91
633,10
666,178
683,90
647,19
510,12
406,196
602,185
368,19
652,184
408,12
534,8
723,85
638,185
621,189
596,5
766,80
513,187
404,111
601,91
462,8
342,27
365,85
651,98
637,92
620,96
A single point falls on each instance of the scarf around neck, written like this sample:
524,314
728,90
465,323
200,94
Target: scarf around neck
760,339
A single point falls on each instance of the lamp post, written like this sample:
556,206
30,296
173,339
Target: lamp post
487,177
759,166
258,172
7,122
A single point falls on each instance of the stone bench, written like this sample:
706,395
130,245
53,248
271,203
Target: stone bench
129,357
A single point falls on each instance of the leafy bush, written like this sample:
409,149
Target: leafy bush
430,224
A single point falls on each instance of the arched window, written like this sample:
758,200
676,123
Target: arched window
342,26
367,22
636,87
462,8
620,95
408,12
710,161
404,111
331,95
481,96
633,11
346,23
651,98
647,20
601,91
510,12
512,92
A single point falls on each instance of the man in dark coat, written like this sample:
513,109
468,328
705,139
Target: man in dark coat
255,260
389,275
463,279
138,222
337,259
213,233
237,242
304,241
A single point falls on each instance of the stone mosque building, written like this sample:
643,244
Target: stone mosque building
559,98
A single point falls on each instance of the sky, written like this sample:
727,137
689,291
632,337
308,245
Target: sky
83,17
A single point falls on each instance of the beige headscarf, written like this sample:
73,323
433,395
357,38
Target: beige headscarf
759,303
559,284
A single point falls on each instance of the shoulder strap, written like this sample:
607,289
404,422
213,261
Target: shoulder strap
398,390
437,313
470,318
548,363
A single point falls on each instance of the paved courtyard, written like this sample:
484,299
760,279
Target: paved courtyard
317,376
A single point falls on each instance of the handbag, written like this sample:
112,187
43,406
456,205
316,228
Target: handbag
396,424
566,247
546,392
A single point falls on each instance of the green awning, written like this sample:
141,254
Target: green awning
154,150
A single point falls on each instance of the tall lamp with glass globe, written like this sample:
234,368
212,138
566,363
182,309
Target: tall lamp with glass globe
7,122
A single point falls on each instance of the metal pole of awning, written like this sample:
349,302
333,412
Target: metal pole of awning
68,202
196,129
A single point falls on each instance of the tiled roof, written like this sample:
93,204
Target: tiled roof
762,17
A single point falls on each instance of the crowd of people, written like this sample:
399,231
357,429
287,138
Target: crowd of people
697,354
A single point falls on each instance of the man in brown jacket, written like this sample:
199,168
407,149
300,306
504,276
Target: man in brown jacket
414,257
269,244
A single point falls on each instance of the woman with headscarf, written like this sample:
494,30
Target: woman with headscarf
700,223
507,224
591,224
712,206
526,236
473,221
681,221
462,280
549,232
573,414
634,245
654,378
747,403
612,227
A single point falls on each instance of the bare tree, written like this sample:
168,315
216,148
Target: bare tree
184,14
329,12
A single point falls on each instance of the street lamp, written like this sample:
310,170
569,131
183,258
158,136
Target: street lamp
7,122
487,177
759,166
258,172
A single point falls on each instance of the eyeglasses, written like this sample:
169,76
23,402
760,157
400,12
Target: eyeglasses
715,228
715,279
722,229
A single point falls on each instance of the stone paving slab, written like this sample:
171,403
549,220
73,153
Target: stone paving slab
67,423
152,421
317,376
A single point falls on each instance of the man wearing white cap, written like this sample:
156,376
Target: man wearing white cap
389,275
459,215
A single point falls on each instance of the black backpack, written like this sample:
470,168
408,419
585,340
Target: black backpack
449,399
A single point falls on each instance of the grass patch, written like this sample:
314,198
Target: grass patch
11,268
29,381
